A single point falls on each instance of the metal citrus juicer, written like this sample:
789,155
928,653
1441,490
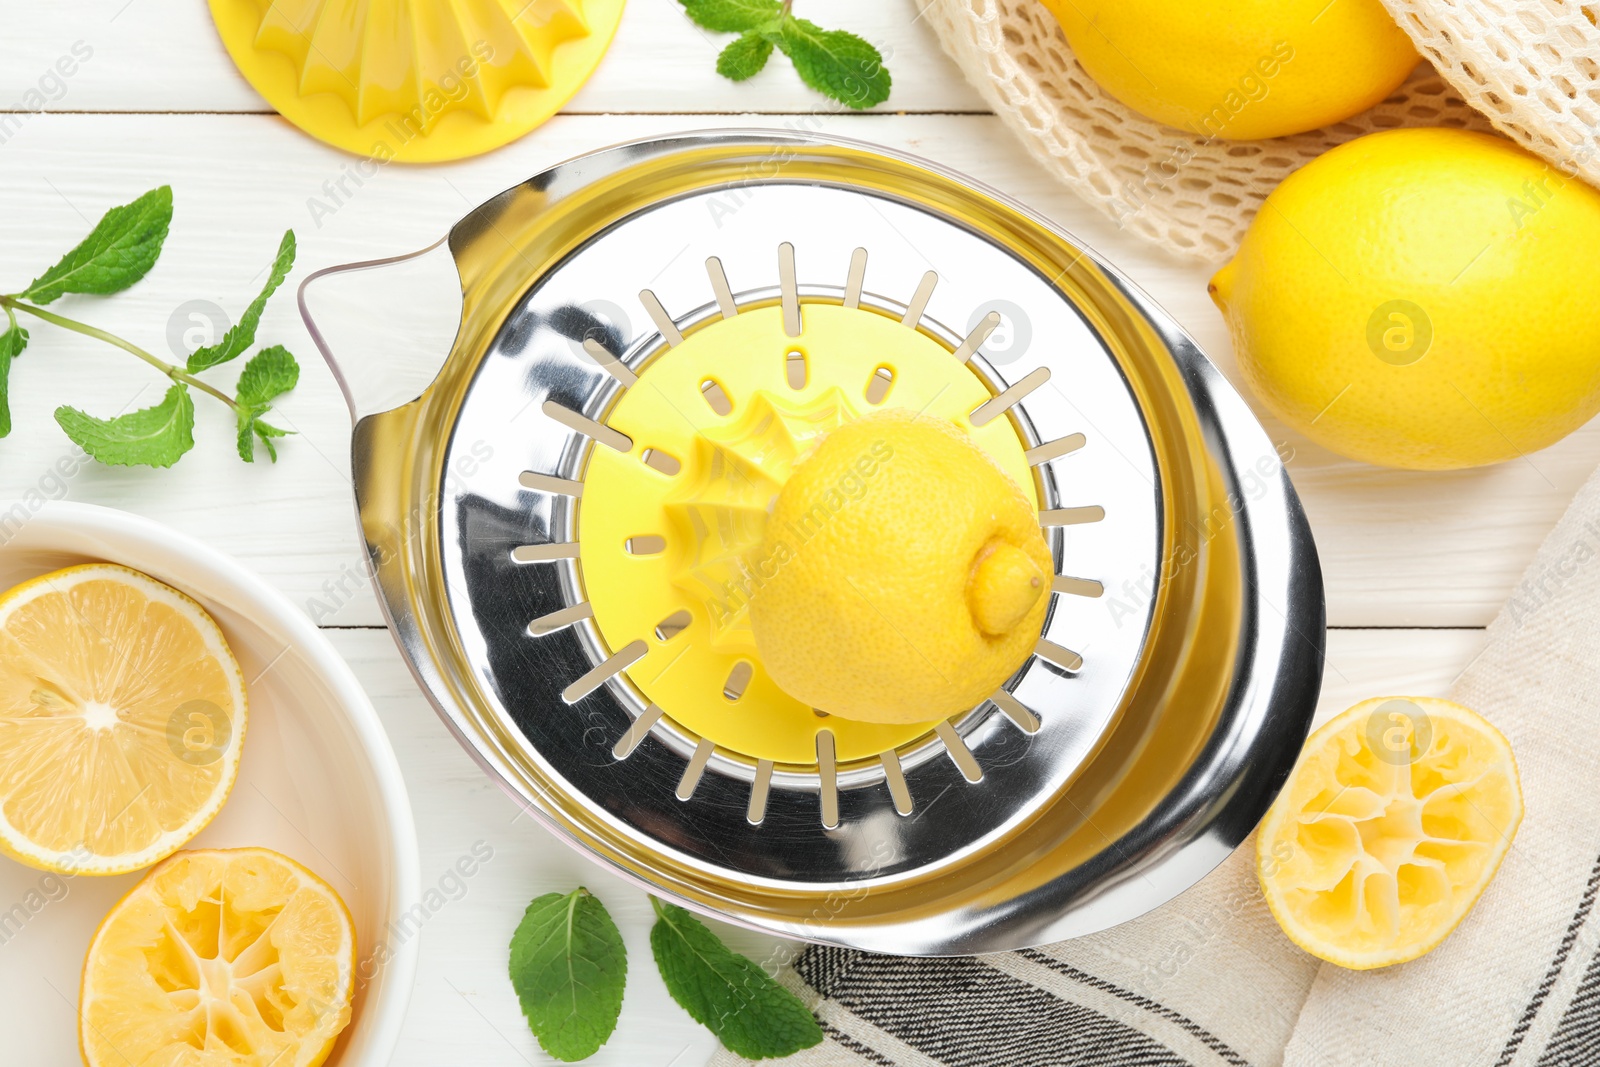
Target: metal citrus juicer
651,336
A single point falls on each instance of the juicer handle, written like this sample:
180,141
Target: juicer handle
369,387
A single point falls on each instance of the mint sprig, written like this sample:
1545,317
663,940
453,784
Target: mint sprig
119,251
836,63
569,966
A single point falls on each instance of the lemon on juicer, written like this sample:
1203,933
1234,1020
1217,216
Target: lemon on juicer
1422,298
912,577
1239,69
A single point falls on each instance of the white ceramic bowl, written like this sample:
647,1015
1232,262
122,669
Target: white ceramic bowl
318,782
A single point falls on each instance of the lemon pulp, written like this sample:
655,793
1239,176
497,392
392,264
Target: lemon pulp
122,715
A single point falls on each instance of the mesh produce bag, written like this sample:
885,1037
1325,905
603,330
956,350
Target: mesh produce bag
1532,66
1195,195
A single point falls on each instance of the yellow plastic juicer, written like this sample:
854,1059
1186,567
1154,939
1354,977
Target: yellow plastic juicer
651,338
419,81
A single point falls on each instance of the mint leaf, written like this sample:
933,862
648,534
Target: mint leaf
568,966
745,57
119,251
154,437
247,434
243,334
733,16
270,373
266,431
251,427
750,1013
12,342
836,63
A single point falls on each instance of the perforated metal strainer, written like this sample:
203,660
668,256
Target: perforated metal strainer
651,336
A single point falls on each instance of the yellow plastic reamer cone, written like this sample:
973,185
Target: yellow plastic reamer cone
670,527
420,81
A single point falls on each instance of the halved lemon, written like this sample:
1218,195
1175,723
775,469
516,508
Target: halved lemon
1393,822
236,957
122,713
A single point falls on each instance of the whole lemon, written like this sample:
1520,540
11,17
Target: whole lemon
1239,69
1422,298
912,576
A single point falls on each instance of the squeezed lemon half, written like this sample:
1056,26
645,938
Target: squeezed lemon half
1390,827
236,957
122,714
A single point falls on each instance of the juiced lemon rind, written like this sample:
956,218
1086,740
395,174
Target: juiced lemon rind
1391,826
220,958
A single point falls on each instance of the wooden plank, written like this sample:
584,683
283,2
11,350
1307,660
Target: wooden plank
1397,548
164,55
464,1010
1362,664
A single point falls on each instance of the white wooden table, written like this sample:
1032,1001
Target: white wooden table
1416,564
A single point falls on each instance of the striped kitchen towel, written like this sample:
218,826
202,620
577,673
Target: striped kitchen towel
1209,979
